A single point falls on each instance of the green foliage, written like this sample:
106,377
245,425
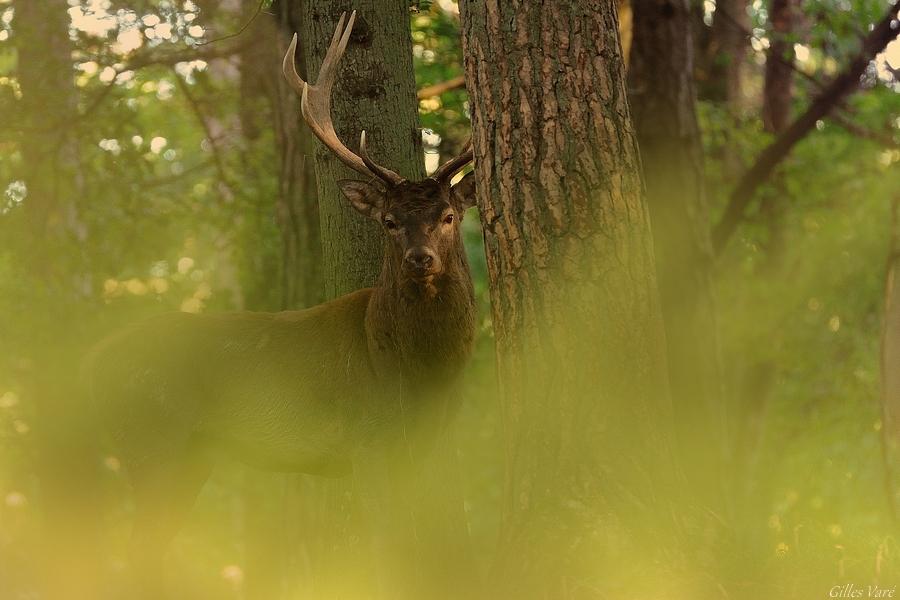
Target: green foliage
800,292
438,58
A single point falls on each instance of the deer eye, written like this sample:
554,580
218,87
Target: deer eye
390,224
448,219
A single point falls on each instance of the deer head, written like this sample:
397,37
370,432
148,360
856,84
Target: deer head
420,218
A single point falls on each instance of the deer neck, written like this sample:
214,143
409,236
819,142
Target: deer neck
425,329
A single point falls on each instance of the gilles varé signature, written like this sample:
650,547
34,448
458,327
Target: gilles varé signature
850,590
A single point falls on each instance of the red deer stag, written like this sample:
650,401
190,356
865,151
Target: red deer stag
310,391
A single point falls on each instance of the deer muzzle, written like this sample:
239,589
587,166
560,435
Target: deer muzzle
421,262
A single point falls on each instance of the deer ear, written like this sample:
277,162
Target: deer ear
464,192
365,197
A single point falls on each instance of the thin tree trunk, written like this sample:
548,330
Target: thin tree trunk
267,102
48,93
778,95
662,98
729,47
55,276
890,365
298,207
779,75
375,91
729,44
574,300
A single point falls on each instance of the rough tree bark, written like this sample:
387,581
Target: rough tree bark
375,91
575,311
662,99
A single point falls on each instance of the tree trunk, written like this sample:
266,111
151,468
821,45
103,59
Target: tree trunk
574,300
662,99
776,115
375,91
48,105
267,103
779,76
730,32
54,274
298,207
890,364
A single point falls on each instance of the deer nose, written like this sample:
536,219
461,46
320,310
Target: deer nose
419,258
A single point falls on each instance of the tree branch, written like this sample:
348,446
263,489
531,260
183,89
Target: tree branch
175,177
844,84
437,89
259,9
890,399
848,125
146,59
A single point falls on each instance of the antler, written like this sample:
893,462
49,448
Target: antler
446,171
315,104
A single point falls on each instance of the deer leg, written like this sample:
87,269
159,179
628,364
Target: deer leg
164,494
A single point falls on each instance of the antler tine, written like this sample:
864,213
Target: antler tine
290,69
446,171
328,70
315,103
